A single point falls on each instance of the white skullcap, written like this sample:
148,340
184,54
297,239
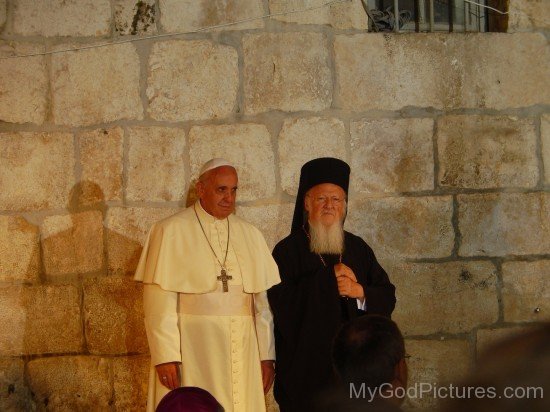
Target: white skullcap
213,164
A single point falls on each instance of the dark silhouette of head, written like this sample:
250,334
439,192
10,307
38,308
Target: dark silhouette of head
189,399
370,350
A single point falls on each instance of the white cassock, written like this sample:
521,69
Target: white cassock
219,337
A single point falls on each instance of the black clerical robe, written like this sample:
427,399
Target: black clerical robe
308,313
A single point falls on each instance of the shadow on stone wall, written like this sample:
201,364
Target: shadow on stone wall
78,335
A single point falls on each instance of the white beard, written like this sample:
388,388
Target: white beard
326,239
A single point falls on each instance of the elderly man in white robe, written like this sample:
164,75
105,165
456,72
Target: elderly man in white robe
205,273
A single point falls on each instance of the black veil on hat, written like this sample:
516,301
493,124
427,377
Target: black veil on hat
315,172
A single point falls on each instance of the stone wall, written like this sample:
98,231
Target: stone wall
448,136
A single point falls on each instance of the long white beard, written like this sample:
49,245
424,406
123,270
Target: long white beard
326,239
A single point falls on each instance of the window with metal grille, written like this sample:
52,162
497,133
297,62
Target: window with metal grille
435,15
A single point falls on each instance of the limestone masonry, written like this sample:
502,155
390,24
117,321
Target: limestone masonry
447,134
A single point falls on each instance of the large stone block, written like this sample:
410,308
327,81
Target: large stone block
503,224
528,15
156,169
486,152
62,18
20,250
15,393
404,227
439,297
272,220
444,71
73,243
36,170
486,338
130,382
514,84
94,86
392,155
432,364
71,383
304,139
286,71
192,80
526,291
375,71
545,135
39,320
24,84
101,161
233,142
135,17
190,15
126,232
113,316
343,15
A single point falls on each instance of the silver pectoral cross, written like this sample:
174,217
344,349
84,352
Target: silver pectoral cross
224,278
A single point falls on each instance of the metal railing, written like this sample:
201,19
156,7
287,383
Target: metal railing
425,15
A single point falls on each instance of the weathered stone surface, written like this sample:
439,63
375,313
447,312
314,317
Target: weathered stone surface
233,142
96,86
15,394
2,12
113,316
404,227
272,220
156,164
71,383
474,75
101,160
344,15
526,291
20,250
435,362
39,320
12,320
392,155
36,170
192,80
411,74
527,15
488,337
545,134
504,224
304,139
24,84
130,382
286,71
126,232
439,297
190,15
61,18
486,152
135,17
73,243
514,84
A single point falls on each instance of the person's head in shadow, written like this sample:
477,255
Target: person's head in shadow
86,195
189,399
511,375
369,358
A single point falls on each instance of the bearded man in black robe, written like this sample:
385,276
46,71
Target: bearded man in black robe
328,276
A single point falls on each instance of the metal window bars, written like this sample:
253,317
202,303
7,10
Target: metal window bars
425,15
